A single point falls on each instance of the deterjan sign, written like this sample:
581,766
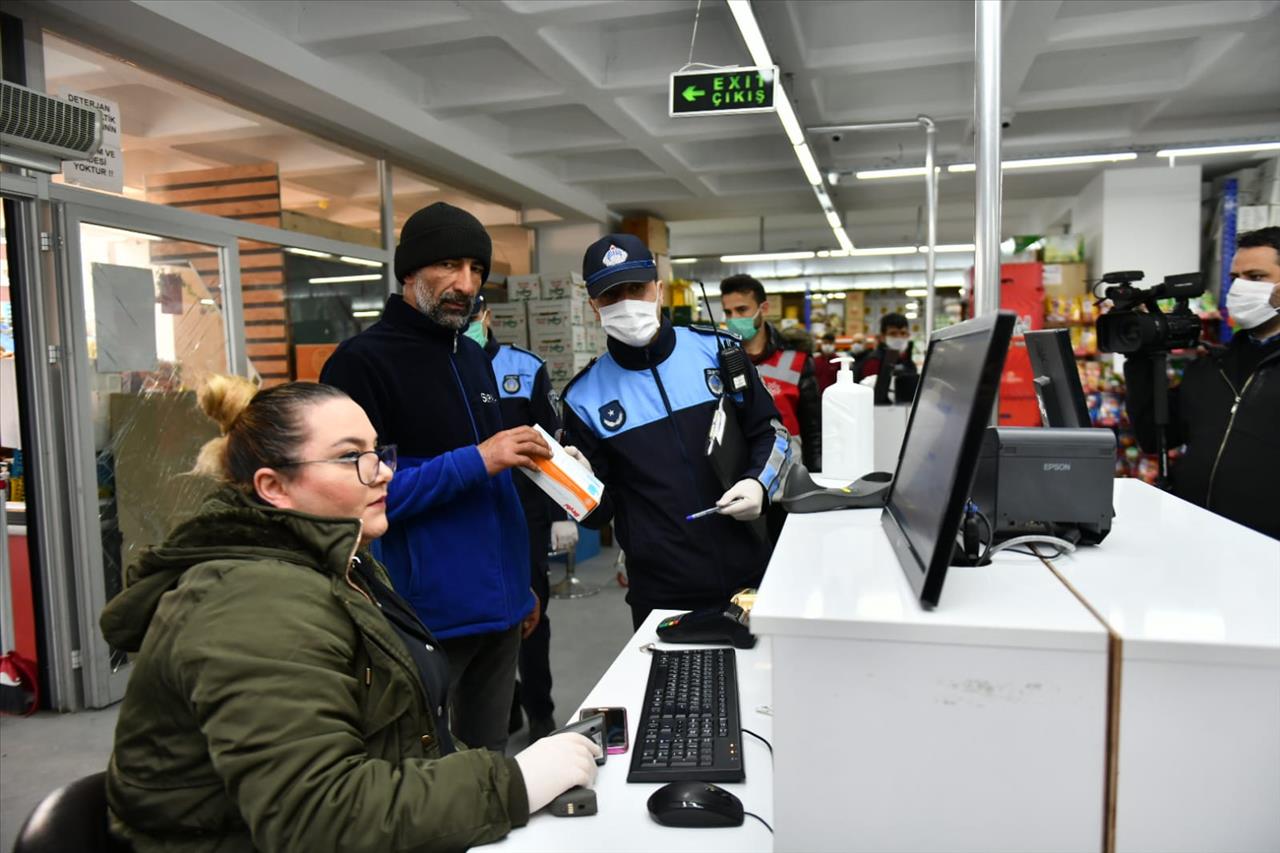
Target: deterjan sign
104,170
724,91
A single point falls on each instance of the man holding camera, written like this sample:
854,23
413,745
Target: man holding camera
1227,409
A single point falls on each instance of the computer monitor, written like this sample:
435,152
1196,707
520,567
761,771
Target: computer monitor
939,454
1057,381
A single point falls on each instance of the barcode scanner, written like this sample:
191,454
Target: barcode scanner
732,358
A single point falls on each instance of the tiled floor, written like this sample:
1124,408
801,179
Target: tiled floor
40,753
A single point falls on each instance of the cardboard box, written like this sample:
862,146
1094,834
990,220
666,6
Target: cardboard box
548,314
510,323
568,339
562,367
1066,280
524,287
568,286
1063,249
566,480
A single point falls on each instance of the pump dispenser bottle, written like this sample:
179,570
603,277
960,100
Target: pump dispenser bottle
848,411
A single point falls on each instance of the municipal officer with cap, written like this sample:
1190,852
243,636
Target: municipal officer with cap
457,547
642,412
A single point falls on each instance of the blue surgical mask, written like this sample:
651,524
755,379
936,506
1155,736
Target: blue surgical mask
476,332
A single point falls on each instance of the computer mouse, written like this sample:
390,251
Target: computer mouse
694,804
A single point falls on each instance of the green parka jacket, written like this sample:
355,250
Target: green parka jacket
272,706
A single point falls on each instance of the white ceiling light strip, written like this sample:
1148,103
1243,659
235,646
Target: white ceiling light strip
1052,162
1212,150
745,18
767,256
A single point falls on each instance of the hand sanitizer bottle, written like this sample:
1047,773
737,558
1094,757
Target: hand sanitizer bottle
847,424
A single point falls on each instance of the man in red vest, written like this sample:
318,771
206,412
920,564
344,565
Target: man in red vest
787,373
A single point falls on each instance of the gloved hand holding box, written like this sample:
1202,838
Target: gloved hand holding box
569,483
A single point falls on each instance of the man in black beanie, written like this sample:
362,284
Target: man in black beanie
457,547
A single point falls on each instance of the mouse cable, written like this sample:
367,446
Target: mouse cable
762,820
762,740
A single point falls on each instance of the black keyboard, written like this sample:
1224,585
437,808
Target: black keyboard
690,727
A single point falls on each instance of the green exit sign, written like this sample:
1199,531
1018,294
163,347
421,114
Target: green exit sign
728,91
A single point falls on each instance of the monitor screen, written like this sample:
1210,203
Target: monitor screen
952,408
1057,381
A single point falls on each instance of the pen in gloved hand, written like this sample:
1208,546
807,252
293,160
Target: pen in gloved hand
704,513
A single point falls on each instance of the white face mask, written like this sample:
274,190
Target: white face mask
857,349
828,348
897,344
1249,303
633,322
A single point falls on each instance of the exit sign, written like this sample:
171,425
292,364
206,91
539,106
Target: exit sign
729,91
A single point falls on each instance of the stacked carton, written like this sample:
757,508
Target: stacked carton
561,327
510,322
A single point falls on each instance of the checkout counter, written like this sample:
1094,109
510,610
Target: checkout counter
1124,698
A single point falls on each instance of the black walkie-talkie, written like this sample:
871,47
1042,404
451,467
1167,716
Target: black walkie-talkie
733,359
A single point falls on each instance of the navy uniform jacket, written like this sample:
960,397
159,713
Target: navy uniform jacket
457,548
524,394
642,415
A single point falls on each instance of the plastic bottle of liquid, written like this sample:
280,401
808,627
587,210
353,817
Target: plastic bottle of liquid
847,425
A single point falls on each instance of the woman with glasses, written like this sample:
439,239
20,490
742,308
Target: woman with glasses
283,696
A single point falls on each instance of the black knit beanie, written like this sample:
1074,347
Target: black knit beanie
441,232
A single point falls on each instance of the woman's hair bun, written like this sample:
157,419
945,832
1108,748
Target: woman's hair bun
223,398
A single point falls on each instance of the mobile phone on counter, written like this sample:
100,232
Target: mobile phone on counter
615,727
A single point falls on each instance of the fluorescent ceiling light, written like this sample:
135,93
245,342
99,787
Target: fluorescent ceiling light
810,166
950,247
787,115
746,21
207,301
1050,162
343,279
918,291
846,245
911,172
833,219
1210,150
361,262
884,250
684,261
767,256
365,313
310,253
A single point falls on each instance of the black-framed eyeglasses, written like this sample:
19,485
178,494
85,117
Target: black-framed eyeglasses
366,463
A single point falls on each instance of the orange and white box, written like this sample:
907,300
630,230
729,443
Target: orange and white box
566,480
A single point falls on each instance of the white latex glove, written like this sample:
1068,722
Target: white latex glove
564,535
555,764
580,456
744,501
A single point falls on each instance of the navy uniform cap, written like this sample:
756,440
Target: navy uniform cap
617,259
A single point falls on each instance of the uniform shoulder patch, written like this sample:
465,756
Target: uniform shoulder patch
511,383
613,416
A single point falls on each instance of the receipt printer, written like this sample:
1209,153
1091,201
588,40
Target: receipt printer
1046,480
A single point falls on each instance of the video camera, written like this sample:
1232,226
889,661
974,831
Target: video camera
1127,330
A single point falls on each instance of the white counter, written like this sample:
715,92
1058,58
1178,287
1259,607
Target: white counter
980,725
623,823
1194,600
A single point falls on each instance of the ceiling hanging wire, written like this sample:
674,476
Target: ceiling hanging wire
697,13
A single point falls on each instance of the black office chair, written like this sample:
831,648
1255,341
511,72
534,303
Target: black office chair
74,817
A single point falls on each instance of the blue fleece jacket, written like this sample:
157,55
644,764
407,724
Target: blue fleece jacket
457,548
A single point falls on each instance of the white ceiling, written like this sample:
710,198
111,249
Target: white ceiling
561,104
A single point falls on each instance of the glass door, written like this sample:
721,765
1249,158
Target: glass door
149,317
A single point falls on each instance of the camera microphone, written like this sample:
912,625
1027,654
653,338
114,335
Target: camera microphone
1123,277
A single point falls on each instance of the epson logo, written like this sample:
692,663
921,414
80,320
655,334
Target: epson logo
1057,466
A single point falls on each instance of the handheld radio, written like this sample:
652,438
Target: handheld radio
732,358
